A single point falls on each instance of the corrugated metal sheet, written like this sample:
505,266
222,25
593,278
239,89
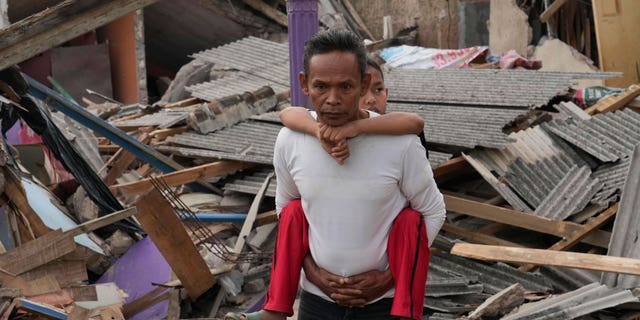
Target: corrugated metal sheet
246,54
275,76
608,136
573,304
462,126
514,88
163,119
570,195
251,141
82,139
437,158
624,238
251,183
613,176
526,170
570,109
494,277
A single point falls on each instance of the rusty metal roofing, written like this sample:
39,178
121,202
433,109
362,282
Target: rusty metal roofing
277,77
251,141
571,305
607,136
624,237
570,195
462,126
514,88
246,54
164,118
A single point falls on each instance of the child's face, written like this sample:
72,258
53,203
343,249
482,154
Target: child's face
376,97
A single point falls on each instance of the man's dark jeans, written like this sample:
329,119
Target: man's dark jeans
313,307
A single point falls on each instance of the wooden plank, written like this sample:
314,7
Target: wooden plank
35,253
553,8
268,11
183,176
16,194
476,236
61,27
162,134
613,103
266,218
548,258
183,103
454,165
123,162
247,226
147,300
100,222
69,270
522,220
577,235
358,20
167,232
616,23
43,285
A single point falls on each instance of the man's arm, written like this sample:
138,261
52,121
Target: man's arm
420,188
395,123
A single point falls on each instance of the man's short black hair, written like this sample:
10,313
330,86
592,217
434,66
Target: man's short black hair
335,40
374,64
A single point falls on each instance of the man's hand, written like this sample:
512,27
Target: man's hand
354,291
364,287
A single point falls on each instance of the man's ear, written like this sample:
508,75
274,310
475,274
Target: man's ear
366,81
303,83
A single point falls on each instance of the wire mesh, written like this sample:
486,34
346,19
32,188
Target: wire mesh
199,230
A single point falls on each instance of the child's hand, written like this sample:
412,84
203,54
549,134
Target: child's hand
336,134
339,151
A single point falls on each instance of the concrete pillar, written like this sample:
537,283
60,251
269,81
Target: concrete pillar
303,24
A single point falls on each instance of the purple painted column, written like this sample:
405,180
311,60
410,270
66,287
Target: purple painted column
303,24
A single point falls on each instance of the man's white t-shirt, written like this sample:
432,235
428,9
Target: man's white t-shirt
351,207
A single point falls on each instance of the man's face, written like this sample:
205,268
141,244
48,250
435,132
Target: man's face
375,99
334,86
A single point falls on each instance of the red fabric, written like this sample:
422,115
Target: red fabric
408,235
292,245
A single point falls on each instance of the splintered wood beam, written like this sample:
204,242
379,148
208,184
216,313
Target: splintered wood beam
523,220
63,22
15,192
548,13
613,103
122,163
548,258
166,231
577,235
268,11
35,253
183,176
106,220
